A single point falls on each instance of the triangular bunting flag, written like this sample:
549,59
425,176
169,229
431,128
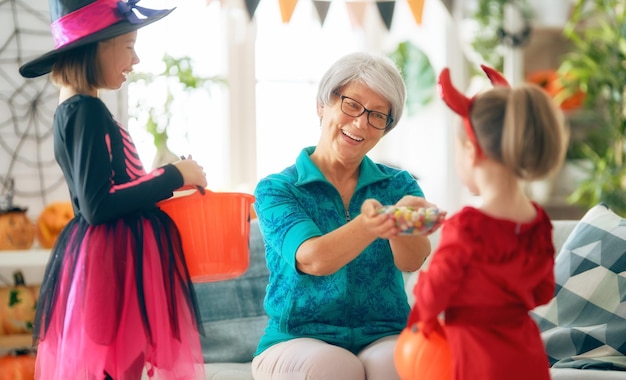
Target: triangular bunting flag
417,7
286,9
251,7
356,12
385,8
449,4
322,9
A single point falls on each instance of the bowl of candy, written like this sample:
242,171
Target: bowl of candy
415,220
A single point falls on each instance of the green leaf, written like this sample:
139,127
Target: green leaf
14,297
179,80
597,62
419,75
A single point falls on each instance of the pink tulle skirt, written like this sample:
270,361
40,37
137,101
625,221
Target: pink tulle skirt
117,300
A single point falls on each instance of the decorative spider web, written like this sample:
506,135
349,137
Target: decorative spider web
27,107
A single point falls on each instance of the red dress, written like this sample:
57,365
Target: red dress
486,275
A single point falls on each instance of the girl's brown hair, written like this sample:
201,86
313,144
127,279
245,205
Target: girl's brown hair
79,69
522,128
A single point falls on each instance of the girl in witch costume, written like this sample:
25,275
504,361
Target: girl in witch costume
116,298
495,262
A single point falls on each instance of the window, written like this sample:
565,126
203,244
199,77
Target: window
199,122
285,62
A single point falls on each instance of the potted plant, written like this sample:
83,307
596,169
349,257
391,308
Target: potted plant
595,65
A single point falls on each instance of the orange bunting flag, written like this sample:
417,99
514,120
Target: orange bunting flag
286,9
417,7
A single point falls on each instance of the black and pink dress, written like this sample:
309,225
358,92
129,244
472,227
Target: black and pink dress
116,296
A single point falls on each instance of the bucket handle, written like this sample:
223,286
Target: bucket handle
201,189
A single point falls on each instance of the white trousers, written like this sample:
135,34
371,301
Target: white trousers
313,359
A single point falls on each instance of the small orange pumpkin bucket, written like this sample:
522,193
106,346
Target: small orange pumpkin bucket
417,357
215,232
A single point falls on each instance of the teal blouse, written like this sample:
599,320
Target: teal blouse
363,301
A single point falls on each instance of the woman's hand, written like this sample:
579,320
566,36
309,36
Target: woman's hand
381,225
413,201
192,172
410,251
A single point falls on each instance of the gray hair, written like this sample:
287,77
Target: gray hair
377,72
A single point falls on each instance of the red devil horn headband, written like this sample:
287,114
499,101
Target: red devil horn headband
460,103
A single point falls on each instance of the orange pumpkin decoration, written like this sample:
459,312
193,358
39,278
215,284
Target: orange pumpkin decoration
17,365
17,307
51,221
419,358
552,82
35,289
16,230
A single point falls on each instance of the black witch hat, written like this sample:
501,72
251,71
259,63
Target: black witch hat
80,22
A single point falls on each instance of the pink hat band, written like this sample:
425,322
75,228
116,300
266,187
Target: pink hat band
95,17
80,22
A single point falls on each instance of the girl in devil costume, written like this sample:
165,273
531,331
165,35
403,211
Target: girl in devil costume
495,262
116,298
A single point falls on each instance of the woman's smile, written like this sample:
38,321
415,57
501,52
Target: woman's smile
352,136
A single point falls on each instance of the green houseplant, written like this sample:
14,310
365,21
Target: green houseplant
179,81
418,73
596,65
489,17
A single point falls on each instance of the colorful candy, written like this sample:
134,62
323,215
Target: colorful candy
412,221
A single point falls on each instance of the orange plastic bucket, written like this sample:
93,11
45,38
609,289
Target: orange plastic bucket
215,232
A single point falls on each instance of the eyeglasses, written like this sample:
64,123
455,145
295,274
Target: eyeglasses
375,119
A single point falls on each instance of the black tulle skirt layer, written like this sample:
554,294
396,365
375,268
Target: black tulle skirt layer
116,298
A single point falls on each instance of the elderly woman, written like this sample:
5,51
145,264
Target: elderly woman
336,300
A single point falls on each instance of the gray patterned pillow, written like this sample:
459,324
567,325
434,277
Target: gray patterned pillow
584,326
232,311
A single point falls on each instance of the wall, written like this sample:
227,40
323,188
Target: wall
27,107
421,144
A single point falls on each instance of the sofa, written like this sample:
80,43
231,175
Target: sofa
233,317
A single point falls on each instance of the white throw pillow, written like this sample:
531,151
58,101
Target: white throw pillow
584,326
